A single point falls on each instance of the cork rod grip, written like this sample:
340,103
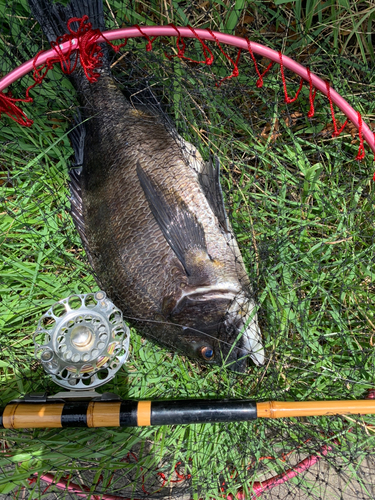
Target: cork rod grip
21,416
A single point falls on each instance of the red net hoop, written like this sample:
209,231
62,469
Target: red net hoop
63,48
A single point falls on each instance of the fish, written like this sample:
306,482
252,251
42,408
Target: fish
151,216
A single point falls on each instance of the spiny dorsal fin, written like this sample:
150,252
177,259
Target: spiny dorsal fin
76,212
178,224
77,137
76,203
209,179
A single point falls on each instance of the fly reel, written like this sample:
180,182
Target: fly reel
82,341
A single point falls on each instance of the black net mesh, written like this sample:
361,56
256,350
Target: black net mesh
302,209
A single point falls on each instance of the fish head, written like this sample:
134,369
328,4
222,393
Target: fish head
219,327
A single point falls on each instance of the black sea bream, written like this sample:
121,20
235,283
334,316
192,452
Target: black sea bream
151,216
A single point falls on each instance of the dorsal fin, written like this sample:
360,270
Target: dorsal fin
77,137
209,179
178,224
76,210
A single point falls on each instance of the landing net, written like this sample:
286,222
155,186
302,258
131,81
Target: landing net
301,205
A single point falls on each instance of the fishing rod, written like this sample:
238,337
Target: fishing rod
82,341
94,410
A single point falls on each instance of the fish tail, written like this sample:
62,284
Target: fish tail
53,17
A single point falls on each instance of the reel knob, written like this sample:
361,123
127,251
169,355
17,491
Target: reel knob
82,341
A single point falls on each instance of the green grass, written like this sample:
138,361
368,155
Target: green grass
302,209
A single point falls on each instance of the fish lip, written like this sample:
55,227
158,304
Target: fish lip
253,347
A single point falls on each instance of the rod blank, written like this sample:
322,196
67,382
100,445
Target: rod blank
280,409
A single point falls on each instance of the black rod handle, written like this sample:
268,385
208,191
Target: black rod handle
202,411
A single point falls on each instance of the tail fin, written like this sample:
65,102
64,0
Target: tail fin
53,17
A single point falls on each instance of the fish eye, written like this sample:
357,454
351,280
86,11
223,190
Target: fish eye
207,353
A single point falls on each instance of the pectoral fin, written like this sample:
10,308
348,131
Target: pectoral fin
178,224
209,179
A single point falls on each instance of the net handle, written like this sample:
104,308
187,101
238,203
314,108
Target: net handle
235,41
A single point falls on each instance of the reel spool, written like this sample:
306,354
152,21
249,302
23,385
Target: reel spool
82,341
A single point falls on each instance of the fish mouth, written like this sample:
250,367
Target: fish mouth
242,314
252,344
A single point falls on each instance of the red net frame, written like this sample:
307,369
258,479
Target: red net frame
86,42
